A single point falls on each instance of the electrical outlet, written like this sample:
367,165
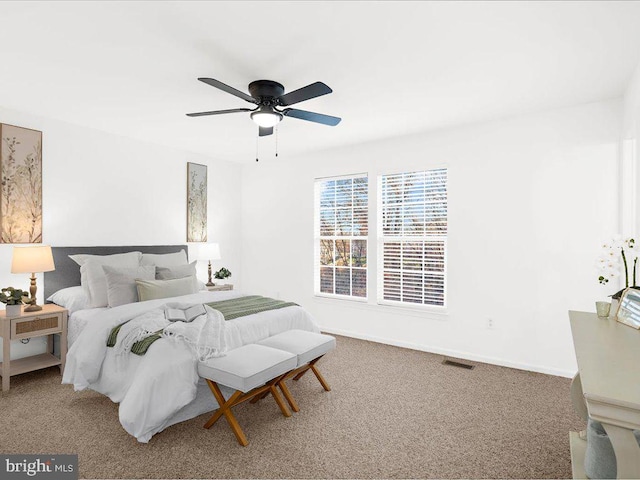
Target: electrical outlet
490,323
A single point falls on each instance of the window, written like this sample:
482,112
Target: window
412,238
341,229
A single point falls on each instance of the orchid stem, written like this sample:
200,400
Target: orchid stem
626,270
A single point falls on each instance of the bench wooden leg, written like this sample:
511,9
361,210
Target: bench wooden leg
299,375
288,396
320,378
235,426
285,391
283,407
312,366
239,397
257,398
225,409
305,368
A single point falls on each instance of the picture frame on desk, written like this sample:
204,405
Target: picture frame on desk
628,311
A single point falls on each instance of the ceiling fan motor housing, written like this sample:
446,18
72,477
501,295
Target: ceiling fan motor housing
266,91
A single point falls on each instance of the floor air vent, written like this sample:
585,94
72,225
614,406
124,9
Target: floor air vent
457,363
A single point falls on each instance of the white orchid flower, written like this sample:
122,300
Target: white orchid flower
612,255
617,256
617,241
606,266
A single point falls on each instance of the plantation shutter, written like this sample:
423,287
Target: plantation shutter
412,234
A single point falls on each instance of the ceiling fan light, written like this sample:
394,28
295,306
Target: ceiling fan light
266,118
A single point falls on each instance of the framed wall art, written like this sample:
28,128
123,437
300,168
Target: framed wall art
196,202
21,185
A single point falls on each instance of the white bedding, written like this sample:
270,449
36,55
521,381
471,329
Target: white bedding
78,320
153,388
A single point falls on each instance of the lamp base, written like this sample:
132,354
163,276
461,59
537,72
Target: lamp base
32,301
210,284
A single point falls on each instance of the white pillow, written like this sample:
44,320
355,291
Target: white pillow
154,289
165,259
121,283
93,278
71,298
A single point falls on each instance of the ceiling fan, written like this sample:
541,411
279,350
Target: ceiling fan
269,96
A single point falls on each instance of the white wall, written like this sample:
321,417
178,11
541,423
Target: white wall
530,199
630,174
103,189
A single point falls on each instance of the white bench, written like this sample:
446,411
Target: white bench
251,370
308,347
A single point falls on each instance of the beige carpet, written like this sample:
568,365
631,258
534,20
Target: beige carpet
392,413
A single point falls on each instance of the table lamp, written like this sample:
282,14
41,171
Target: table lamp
32,260
209,251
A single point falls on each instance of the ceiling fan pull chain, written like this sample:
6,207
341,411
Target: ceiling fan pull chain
277,129
257,140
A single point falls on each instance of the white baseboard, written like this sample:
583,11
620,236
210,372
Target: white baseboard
453,353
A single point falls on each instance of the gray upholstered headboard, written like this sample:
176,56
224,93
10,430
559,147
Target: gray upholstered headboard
67,272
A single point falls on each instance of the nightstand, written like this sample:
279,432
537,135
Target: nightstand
220,288
50,320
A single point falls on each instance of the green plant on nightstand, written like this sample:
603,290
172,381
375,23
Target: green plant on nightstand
13,299
12,296
222,274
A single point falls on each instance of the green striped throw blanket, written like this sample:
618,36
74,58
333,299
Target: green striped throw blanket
230,309
139,348
243,306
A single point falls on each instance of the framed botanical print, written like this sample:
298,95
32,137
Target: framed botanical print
196,202
21,185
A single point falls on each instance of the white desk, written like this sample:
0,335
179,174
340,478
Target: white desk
608,355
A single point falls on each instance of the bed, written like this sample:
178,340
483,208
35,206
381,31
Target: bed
160,388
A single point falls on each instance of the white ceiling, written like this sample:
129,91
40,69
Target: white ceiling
130,68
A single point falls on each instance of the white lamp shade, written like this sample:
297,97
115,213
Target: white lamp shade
209,251
32,259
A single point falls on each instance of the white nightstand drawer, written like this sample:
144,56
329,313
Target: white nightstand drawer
36,326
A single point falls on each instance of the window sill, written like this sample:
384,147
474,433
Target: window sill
344,298
437,313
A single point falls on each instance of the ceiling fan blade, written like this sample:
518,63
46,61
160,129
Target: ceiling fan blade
312,117
305,93
226,88
264,131
219,112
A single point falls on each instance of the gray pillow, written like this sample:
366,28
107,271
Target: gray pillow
121,283
171,273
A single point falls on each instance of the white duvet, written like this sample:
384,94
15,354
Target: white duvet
153,387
